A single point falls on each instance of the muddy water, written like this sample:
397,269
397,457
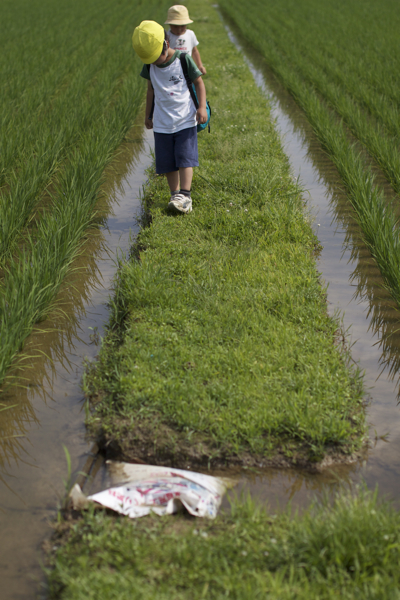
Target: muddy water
48,411
355,291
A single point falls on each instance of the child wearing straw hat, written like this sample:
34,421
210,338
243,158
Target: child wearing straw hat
175,116
181,38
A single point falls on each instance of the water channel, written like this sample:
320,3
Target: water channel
48,411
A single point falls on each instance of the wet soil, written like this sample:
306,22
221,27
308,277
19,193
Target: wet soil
156,443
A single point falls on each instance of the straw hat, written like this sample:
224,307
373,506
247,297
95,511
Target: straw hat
178,15
148,41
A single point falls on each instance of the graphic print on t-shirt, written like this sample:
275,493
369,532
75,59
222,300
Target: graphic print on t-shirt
185,42
180,44
176,80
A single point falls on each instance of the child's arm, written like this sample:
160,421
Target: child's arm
149,103
197,59
201,114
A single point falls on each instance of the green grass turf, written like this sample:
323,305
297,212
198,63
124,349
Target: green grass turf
349,549
220,347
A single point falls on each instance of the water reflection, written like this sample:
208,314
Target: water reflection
276,487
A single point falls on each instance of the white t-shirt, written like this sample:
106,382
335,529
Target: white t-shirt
174,109
185,42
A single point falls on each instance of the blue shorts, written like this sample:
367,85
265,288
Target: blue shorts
175,150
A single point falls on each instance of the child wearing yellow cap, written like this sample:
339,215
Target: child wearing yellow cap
175,116
181,38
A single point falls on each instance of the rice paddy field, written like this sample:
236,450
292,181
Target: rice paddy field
172,336
339,61
220,350
69,94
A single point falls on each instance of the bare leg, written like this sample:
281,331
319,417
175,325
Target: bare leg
186,176
173,181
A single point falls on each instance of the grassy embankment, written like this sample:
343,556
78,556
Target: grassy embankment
349,550
220,349
338,60
68,98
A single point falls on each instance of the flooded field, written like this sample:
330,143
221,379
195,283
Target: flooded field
49,413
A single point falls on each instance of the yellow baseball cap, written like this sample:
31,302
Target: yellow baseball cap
148,40
178,15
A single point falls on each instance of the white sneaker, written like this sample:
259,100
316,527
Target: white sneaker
181,203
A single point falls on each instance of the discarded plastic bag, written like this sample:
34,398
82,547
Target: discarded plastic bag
144,488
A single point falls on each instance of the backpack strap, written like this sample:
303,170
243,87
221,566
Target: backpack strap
152,104
189,82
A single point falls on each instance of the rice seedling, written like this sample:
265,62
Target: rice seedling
60,134
41,148
32,281
371,130
348,59
375,214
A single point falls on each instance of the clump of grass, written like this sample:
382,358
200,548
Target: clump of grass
226,349
349,548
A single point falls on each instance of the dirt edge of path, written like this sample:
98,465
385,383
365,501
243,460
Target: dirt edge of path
154,442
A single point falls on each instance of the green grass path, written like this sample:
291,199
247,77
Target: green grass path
220,349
